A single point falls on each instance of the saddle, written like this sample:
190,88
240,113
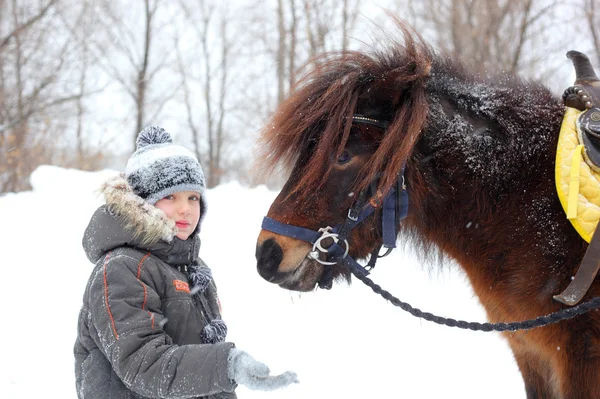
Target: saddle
578,171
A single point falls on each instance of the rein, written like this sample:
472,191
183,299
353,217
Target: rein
541,321
395,208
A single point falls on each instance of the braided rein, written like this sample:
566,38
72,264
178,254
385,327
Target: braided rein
541,321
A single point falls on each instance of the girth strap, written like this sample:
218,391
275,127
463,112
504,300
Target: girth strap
585,274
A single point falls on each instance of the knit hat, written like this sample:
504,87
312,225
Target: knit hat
159,168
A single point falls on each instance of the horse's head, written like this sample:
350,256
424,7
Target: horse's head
338,134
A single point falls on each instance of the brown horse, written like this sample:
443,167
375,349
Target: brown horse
479,171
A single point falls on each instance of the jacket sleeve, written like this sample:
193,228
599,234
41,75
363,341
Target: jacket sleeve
126,313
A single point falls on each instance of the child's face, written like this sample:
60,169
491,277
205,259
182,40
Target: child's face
183,208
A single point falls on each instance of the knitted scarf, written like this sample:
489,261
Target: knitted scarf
200,277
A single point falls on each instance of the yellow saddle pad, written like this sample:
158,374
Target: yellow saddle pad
577,179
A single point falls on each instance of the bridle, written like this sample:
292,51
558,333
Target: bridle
332,241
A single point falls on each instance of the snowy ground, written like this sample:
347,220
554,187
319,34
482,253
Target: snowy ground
343,343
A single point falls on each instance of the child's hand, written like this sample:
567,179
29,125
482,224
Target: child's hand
245,370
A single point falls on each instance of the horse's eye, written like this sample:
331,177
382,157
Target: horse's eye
344,157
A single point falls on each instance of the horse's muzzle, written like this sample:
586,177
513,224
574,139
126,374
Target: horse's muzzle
268,258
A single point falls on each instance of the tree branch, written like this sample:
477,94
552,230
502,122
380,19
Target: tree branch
17,31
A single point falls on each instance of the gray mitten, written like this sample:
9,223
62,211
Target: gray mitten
245,370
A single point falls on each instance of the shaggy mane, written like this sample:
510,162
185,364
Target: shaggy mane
313,124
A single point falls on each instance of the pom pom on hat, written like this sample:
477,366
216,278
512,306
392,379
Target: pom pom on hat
153,135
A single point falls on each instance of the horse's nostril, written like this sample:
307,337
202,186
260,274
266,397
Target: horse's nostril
268,258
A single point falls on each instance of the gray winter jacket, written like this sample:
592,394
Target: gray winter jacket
139,331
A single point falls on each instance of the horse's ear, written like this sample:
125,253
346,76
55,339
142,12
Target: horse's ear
383,96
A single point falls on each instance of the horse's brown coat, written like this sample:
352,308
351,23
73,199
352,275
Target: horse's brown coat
480,168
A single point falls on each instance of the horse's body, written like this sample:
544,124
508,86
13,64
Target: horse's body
479,156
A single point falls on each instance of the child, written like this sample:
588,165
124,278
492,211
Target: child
150,325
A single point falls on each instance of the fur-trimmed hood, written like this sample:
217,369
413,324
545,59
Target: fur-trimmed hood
128,220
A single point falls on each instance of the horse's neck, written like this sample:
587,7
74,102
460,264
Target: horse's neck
494,136
493,172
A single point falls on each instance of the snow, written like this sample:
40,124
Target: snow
343,343
487,131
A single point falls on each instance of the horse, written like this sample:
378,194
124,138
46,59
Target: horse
477,157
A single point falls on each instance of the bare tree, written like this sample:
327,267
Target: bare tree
490,35
32,96
327,25
24,25
81,108
128,53
592,16
281,51
293,35
349,14
211,83
317,24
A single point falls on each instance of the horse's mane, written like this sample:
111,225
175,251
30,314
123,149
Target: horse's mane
311,127
313,124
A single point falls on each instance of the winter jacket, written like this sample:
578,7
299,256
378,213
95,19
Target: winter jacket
139,329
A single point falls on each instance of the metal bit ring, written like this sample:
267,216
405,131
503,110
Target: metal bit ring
317,248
